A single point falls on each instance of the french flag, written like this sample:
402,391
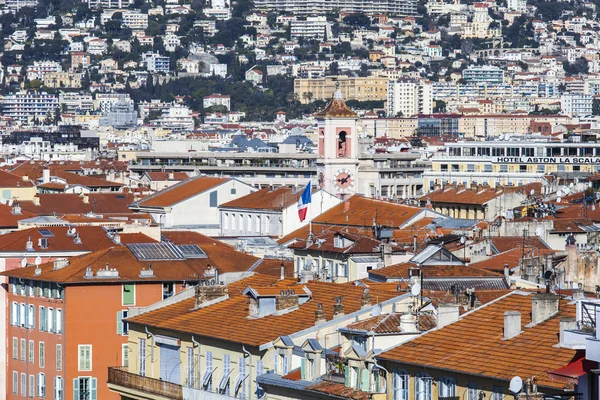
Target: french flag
304,202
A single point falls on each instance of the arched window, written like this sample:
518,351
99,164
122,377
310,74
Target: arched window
342,145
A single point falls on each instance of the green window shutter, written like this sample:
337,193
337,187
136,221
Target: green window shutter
128,295
119,323
347,376
364,380
303,368
76,389
94,389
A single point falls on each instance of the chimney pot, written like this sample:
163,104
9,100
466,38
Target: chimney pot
365,298
512,324
320,315
447,313
338,308
543,306
566,323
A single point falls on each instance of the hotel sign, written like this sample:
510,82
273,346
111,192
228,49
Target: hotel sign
547,160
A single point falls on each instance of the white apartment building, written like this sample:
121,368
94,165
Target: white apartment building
39,69
105,101
218,70
208,26
217,99
28,106
76,101
321,7
104,4
16,5
97,46
484,73
171,42
130,18
311,27
576,104
156,62
517,5
409,97
177,118
218,13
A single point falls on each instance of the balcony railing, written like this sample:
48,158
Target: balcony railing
120,377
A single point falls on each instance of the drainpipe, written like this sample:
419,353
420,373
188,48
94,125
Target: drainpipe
249,376
151,350
387,376
198,370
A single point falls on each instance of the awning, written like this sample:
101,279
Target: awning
571,372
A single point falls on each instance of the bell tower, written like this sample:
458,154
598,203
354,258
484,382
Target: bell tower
337,162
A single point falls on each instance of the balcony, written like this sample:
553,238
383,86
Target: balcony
140,387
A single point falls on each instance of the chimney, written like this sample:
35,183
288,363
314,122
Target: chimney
287,299
578,294
171,176
25,178
45,175
408,323
208,293
117,238
447,313
36,200
346,206
365,298
282,272
319,314
86,199
438,231
429,206
338,308
566,323
415,244
506,272
512,324
543,306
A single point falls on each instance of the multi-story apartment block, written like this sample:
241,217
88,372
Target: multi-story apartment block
485,73
362,89
301,7
409,97
79,59
28,106
62,80
156,63
39,69
311,27
105,4
217,99
16,5
208,26
576,104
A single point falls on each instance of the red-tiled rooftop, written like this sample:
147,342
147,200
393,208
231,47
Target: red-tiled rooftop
69,203
476,195
181,191
266,199
474,344
228,320
433,271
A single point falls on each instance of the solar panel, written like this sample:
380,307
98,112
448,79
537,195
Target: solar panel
45,233
155,251
191,251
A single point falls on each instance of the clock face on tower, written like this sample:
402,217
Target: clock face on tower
343,180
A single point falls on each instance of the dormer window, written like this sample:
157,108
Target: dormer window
338,242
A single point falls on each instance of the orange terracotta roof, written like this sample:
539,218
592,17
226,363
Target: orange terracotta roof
325,242
272,266
474,344
125,262
10,220
475,195
504,243
433,271
70,203
339,390
266,199
181,191
228,320
10,180
165,176
221,253
92,238
336,108
363,211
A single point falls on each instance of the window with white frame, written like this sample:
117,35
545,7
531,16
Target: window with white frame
31,385
85,357
59,357
43,320
42,355
447,387
15,382
15,351
472,391
190,366
122,326
23,384
85,388
14,313
31,316
41,385
23,349
59,320
125,355
400,385
23,315
207,379
50,324
31,352
423,387
142,355
58,388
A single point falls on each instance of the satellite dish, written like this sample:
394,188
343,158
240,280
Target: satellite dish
463,240
38,260
516,384
532,192
23,262
558,200
376,311
416,289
